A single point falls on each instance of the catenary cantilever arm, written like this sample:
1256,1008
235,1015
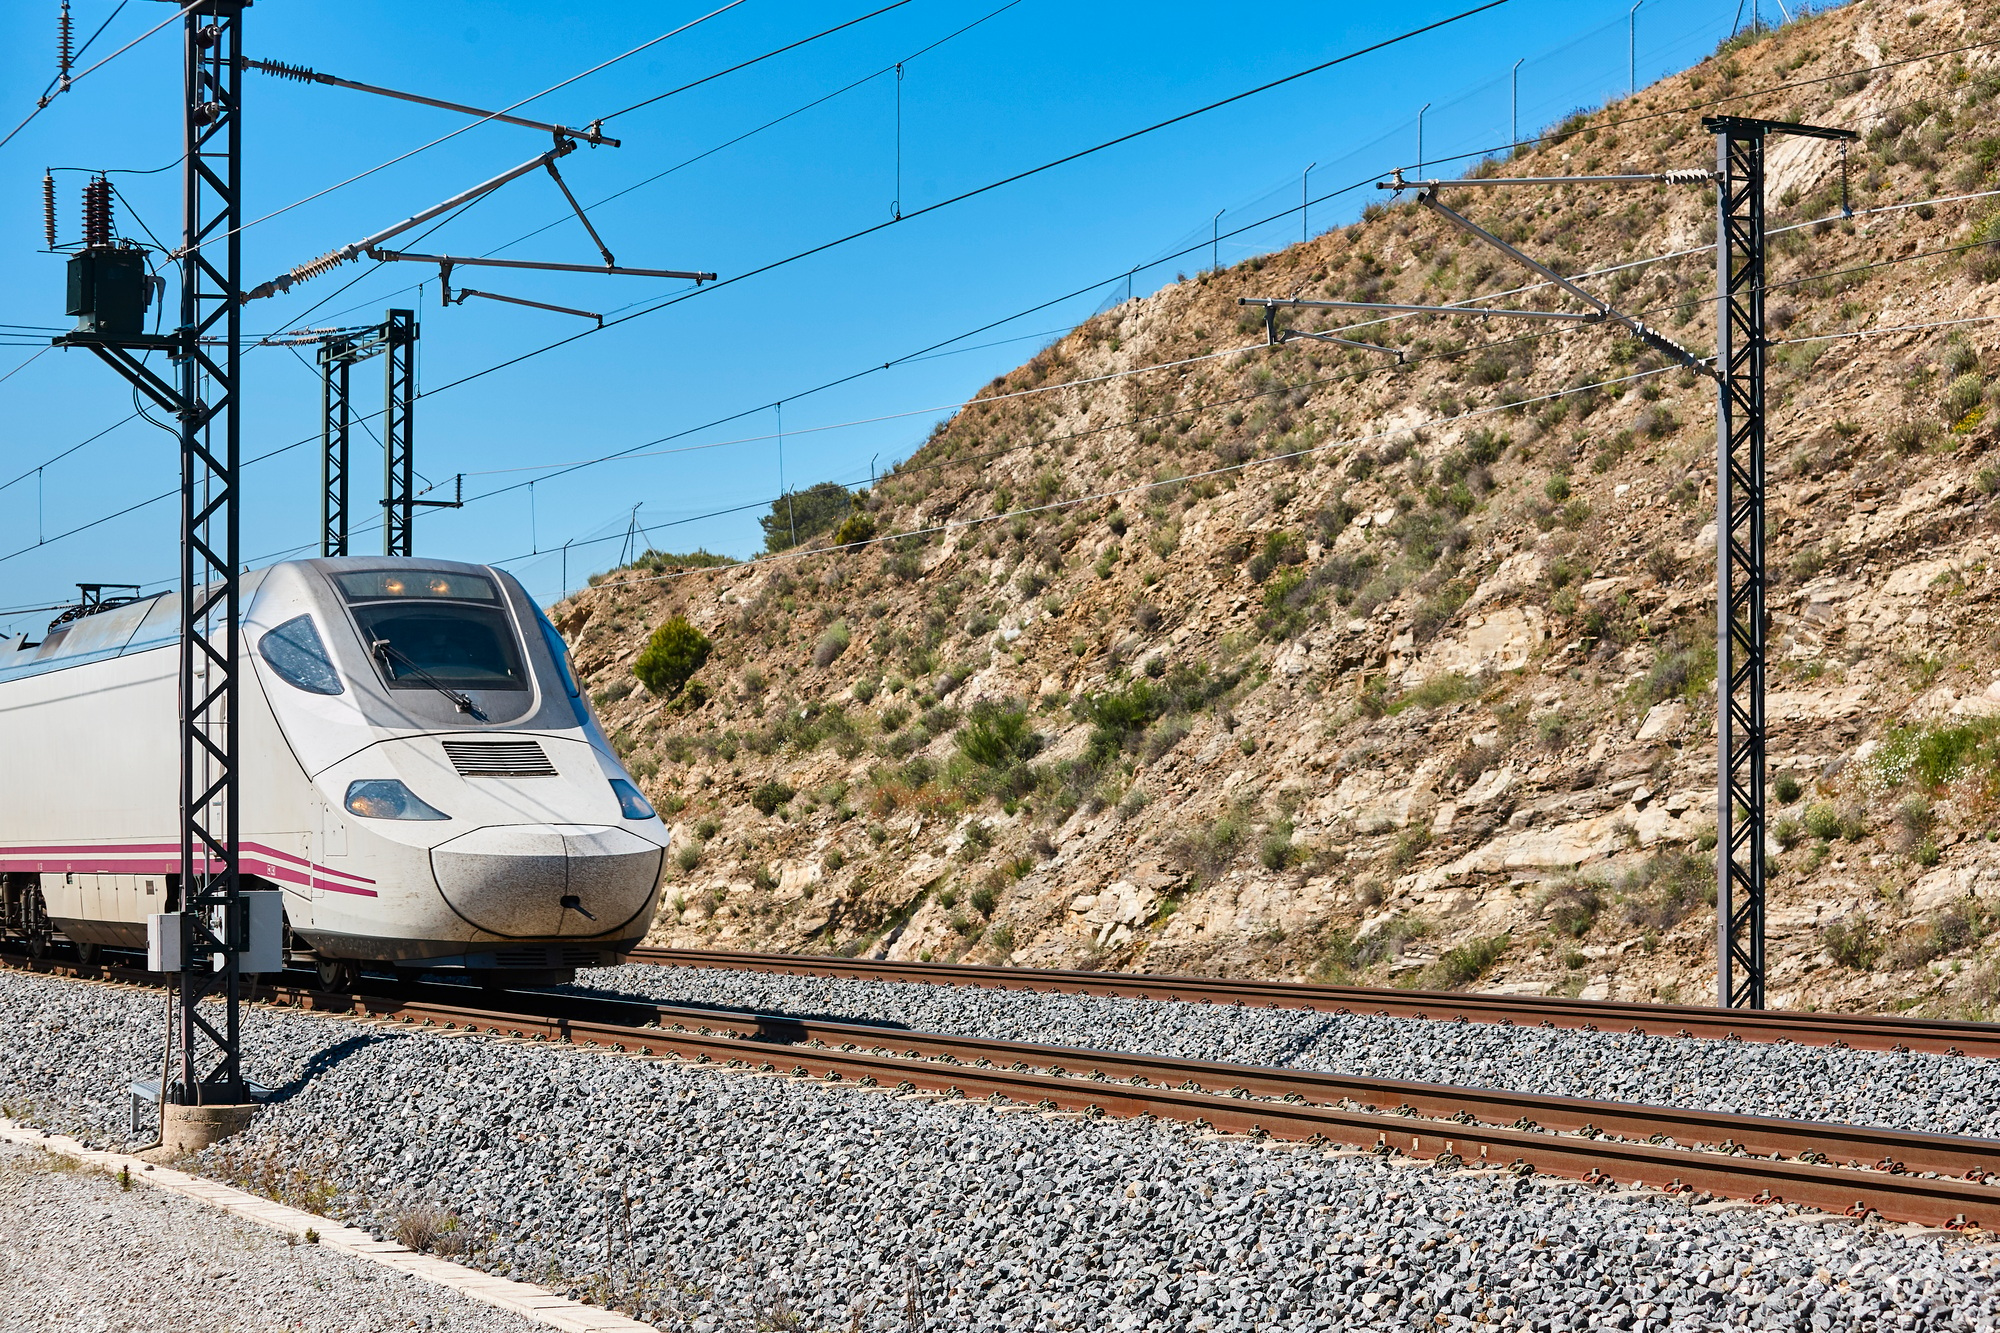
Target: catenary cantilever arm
1638,329
333,258
1590,318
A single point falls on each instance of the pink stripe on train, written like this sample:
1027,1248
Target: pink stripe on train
106,859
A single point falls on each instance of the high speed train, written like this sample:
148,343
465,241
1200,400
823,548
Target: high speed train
422,777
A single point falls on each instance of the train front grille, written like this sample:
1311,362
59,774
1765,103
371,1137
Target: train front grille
499,759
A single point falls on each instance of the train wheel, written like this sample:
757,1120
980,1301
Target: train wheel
38,944
90,955
338,973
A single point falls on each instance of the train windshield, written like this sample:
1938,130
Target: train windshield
427,628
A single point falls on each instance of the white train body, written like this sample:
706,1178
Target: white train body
421,776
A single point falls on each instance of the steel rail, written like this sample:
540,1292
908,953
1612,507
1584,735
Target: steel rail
1879,1032
1911,1181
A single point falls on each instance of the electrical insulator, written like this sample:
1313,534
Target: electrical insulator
97,212
65,44
49,208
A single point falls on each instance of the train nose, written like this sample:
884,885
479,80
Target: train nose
547,879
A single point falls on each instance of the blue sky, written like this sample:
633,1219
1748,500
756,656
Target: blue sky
1030,83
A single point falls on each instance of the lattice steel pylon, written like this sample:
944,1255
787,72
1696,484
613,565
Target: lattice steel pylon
211,905
336,361
339,353
1741,626
398,418
1738,369
204,395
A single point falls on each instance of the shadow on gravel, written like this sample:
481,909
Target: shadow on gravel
322,1062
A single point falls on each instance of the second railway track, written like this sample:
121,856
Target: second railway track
1936,1180
1875,1032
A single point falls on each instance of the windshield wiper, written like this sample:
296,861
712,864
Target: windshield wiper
383,649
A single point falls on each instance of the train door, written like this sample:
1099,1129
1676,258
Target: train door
329,843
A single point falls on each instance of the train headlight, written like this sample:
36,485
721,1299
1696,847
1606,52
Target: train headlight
386,798
631,801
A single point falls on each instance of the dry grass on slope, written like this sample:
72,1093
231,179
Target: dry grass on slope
1297,661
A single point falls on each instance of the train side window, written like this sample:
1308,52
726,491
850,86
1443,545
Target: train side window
295,652
560,651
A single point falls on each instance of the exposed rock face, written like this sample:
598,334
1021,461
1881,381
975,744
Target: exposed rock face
1404,671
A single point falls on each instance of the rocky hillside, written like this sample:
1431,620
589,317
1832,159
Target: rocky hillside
1317,661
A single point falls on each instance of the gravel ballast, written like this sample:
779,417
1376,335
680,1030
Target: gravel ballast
1938,1094
725,1200
79,1253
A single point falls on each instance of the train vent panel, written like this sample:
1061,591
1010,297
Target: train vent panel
499,759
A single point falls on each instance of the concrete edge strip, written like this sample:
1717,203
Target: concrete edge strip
538,1304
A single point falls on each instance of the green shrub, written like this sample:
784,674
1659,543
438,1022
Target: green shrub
1933,757
1823,822
798,516
1278,850
1667,888
1436,611
832,643
1964,394
855,529
1573,909
985,898
671,657
1206,853
1786,789
1852,942
1685,673
996,735
1410,846
1465,964
1916,817
770,795
1943,932
1388,941
1552,729
1445,688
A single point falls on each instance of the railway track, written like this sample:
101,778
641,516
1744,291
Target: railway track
1876,1032
1934,1180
